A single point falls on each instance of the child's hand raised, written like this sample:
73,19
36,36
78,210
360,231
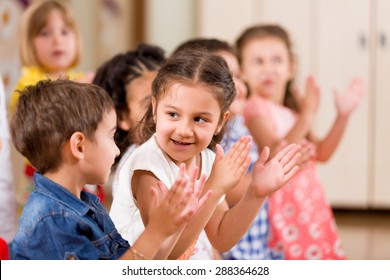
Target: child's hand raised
311,101
228,169
268,177
172,209
347,103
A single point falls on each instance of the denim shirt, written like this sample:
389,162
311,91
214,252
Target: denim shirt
55,224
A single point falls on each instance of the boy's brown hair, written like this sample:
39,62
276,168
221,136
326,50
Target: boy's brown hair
47,115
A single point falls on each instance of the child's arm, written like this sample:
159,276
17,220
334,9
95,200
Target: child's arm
226,227
141,179
169,211
226,173
345,105
262,129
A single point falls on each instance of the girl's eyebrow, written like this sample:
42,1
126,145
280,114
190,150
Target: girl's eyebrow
198,113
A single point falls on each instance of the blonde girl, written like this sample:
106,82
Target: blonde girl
49,47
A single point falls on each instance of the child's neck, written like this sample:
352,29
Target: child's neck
56,75
276,99
72,183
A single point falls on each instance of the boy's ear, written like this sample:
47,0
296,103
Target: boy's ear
77,142
225,117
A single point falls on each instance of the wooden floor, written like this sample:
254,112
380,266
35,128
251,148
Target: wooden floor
365,234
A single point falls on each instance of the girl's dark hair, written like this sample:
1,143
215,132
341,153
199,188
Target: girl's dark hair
208,45
191,67
115,74
275,31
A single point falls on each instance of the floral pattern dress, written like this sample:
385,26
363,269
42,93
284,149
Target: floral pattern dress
301,220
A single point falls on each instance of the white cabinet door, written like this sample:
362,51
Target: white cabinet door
224,19
333,40
381,108
296,17
343,29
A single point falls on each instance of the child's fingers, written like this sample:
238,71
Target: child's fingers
176,191
189,212
292,172
199,186
182,170
264,155
194,175
290,155
184,199
184,218
241,155
203,199
162,188
244,165
218,152
238,147
292,163
284,151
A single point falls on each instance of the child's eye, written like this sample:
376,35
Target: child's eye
276,59
44,33
257,61
173,114
200,120
66,31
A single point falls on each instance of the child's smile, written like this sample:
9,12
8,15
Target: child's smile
187,117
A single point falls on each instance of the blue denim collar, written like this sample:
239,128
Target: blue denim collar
57,192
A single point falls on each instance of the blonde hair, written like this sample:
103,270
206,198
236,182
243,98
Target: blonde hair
34,19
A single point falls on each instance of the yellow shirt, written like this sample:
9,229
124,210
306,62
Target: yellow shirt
31,76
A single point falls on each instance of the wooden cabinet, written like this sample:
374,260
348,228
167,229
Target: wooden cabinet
334,40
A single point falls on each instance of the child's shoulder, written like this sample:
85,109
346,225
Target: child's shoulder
208,157
147,153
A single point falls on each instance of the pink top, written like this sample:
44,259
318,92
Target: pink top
301,220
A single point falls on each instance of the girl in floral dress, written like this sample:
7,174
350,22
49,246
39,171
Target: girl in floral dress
302,222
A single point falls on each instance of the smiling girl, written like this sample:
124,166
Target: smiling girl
185,121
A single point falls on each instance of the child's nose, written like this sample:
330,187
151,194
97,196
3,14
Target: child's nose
268,67
184,129
57,37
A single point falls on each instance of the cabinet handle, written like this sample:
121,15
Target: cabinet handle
362,40
382,40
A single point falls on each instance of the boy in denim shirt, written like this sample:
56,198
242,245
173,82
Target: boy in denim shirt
66,130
